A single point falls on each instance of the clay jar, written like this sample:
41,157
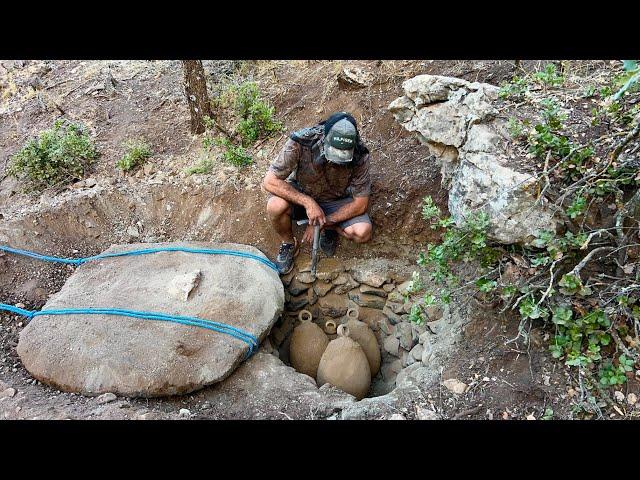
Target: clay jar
361,333
308,343
345,365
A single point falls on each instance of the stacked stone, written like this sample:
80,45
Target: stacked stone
376,294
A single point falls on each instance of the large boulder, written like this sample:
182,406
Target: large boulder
458,121
93,354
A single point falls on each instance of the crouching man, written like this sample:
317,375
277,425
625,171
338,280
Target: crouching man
321,173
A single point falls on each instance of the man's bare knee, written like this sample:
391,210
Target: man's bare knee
277,206
359,232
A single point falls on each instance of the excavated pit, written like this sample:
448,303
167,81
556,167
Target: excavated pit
86,221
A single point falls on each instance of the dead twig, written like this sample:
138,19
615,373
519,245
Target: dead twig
632,134
469,411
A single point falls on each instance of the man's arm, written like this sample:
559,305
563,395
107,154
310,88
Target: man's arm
352,209
283,189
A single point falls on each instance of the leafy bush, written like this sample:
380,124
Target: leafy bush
234,154
56,157
256,115
515,90
549,76
516,129
203,167
137,153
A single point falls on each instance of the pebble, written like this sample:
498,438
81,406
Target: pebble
8,393
305,277
456,386
393,317
404,334
328,269
379,292
396,416
434,312
391,345
403,288
342,279
406,359
427,353
106,398
389,370
395,297
184,413
416,352
370,276
298,302
426,414
367,300
296,287
321,288
386,327
397,308
632,399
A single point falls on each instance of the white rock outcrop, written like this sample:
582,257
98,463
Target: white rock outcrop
458,121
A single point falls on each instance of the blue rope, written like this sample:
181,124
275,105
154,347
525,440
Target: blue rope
146,251
238,333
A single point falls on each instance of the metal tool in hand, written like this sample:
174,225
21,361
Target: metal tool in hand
316,242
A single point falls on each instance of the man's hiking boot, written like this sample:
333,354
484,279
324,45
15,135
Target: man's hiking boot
286,254
328,242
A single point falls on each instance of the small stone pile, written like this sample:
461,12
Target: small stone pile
375,292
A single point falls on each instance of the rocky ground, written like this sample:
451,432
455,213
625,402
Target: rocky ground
462,364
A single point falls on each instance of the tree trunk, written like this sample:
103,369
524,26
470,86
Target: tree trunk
195,86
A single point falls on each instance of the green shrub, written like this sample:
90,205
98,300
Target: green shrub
514,90
516,128
255,114
137,153
56,157
549,76
234,154
203,167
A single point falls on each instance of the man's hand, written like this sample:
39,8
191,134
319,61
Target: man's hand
308,235
314,214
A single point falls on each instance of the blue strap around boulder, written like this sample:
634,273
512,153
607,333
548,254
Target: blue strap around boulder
145,251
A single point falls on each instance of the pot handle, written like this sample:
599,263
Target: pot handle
330,327
343,330
352,313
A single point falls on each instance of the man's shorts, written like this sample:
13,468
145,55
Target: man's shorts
298,212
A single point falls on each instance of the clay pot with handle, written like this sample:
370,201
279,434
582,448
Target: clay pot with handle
361,333
345,365
308,343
